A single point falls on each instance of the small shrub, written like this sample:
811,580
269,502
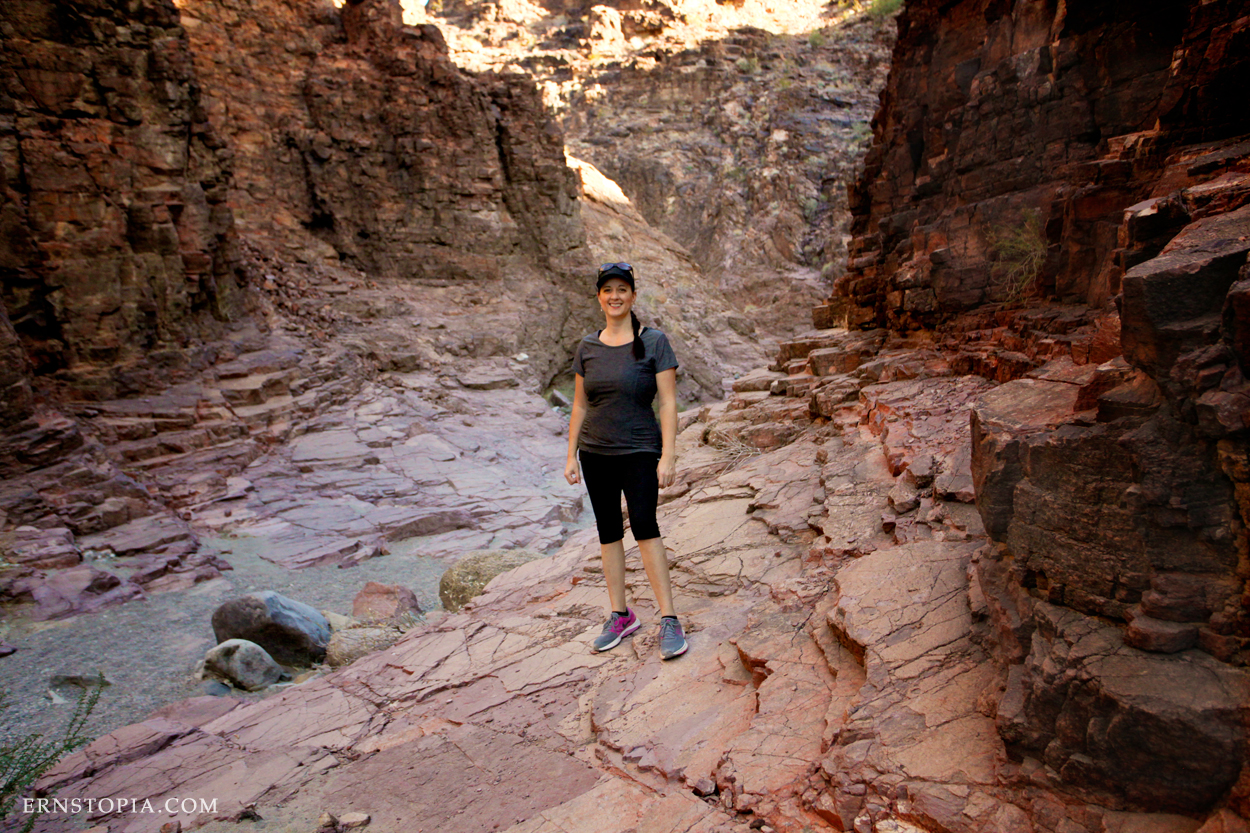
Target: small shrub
816,39
749,66
1020,252
884,8
23,761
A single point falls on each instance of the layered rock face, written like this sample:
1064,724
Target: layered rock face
1110,468
1041,119
117,240
357,140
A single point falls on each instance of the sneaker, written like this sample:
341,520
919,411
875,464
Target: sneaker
615,629
672,639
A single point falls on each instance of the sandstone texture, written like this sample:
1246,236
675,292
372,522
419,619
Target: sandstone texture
119,257
1107,466
999,120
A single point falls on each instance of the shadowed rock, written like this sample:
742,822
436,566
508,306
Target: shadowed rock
292,632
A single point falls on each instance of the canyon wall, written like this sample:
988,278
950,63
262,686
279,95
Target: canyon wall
117,250
356,140
1059,194
1002,116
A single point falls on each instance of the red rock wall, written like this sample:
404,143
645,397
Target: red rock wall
1114,484
994,110
356,139
116,240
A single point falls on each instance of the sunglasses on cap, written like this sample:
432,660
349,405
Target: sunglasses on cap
608,271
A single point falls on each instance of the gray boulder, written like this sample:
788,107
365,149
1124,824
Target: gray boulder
243,664
292,632
470,575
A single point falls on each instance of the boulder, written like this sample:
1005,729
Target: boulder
243,664
376,602
470,575
292,632
347,646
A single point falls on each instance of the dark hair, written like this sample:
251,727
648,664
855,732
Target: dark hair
639,349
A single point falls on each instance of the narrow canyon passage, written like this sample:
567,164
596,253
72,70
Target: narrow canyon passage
960,293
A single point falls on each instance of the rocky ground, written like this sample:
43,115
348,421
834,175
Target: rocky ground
362,424
827,561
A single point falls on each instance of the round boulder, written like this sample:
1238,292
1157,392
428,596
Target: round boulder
243,664
292,632
470,575
377,602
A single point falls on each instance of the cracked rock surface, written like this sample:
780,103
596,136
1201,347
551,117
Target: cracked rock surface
839,675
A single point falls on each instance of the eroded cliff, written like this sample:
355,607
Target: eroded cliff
1108,143
118,243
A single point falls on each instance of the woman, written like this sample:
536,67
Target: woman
619,371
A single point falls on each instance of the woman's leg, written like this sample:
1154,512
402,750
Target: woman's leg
602,476
642,491
613,556
655,562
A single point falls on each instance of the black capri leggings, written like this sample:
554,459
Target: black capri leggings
607,475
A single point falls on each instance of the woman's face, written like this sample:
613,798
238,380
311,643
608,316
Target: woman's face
616,298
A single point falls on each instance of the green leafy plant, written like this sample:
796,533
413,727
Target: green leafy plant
884,8
816,39
1020,252
24,760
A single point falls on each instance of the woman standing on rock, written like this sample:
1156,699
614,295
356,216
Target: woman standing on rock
619,371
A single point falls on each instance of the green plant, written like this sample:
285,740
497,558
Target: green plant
884,8
750,66
1020,252
816,39
23,761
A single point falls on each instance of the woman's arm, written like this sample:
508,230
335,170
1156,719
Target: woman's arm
576,419
666,384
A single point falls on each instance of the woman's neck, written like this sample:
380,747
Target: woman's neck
618,332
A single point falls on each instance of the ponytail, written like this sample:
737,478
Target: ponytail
639,350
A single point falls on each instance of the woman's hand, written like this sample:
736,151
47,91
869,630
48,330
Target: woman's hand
571,473
666,471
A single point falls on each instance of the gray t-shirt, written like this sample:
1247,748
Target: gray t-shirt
619,391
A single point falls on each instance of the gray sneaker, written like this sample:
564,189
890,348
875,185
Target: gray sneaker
615,629
672,639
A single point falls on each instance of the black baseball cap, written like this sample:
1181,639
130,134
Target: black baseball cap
607,271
